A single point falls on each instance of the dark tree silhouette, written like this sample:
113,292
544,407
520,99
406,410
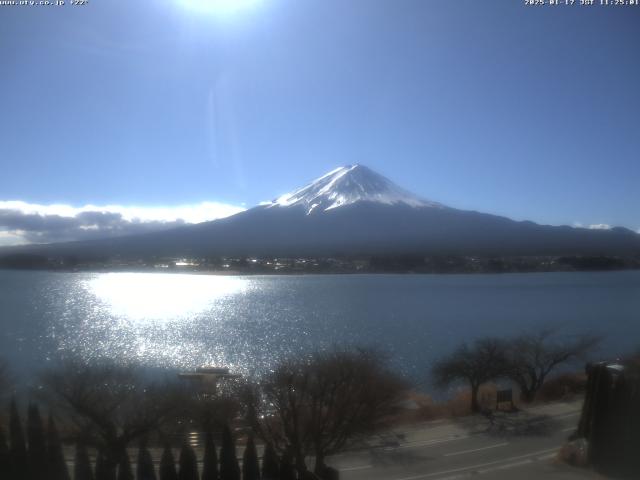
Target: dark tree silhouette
36,439
82,465
188,464
532,357
114,402
17,447
210,463
168,465
229,468
250,465
125,472
287,471
4,456
5,379
270,464
322,404
485,360
57,466
145,469
103,471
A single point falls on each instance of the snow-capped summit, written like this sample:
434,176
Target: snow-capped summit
347,185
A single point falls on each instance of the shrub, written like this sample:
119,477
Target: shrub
82,465
37,453
168,465
4,456
188,464
124,467
287,472
270,467
210,463
56,463
17,449
250,465
563,387
145,469
229,468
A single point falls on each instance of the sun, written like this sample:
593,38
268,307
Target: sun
217,6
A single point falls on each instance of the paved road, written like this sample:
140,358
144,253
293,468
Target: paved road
514,446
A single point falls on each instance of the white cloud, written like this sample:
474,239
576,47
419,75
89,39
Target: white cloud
194,213
593,226
23,222
14,238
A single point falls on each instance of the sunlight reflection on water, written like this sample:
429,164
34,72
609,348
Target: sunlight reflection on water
174,320
161,297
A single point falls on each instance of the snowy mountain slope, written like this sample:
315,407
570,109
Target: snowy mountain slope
355,211
348,185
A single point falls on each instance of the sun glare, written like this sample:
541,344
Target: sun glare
218,6
161,297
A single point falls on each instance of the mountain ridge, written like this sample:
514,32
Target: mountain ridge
353,210
347,185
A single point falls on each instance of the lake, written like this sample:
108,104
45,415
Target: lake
249,322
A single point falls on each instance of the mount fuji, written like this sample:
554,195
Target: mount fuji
353,210
349,185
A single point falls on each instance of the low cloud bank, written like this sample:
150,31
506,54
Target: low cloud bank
22,222
593,226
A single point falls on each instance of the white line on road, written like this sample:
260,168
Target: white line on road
453,454
567,415
428,442
480,465
518,464
359,467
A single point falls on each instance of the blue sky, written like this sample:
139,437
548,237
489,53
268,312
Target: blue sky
528,112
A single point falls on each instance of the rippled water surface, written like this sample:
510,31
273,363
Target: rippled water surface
247,323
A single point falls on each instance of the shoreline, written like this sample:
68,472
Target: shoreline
267,273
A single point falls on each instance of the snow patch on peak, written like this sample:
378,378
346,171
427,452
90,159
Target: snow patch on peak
347,185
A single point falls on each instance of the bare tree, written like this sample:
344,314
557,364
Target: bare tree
6,379
485,360
532,357
111,405
320,405
210,412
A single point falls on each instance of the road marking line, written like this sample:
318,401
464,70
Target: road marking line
359,467
566,415
480,465
506,466
428,442
518,464
476,449
500,467
462,437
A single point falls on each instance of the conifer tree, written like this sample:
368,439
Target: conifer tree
188,463
18,462
168,465
103,470
229,468
145,470
210,465
4,456
250,465
36,440
124,467
82,465
287,472
270,464
56,464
